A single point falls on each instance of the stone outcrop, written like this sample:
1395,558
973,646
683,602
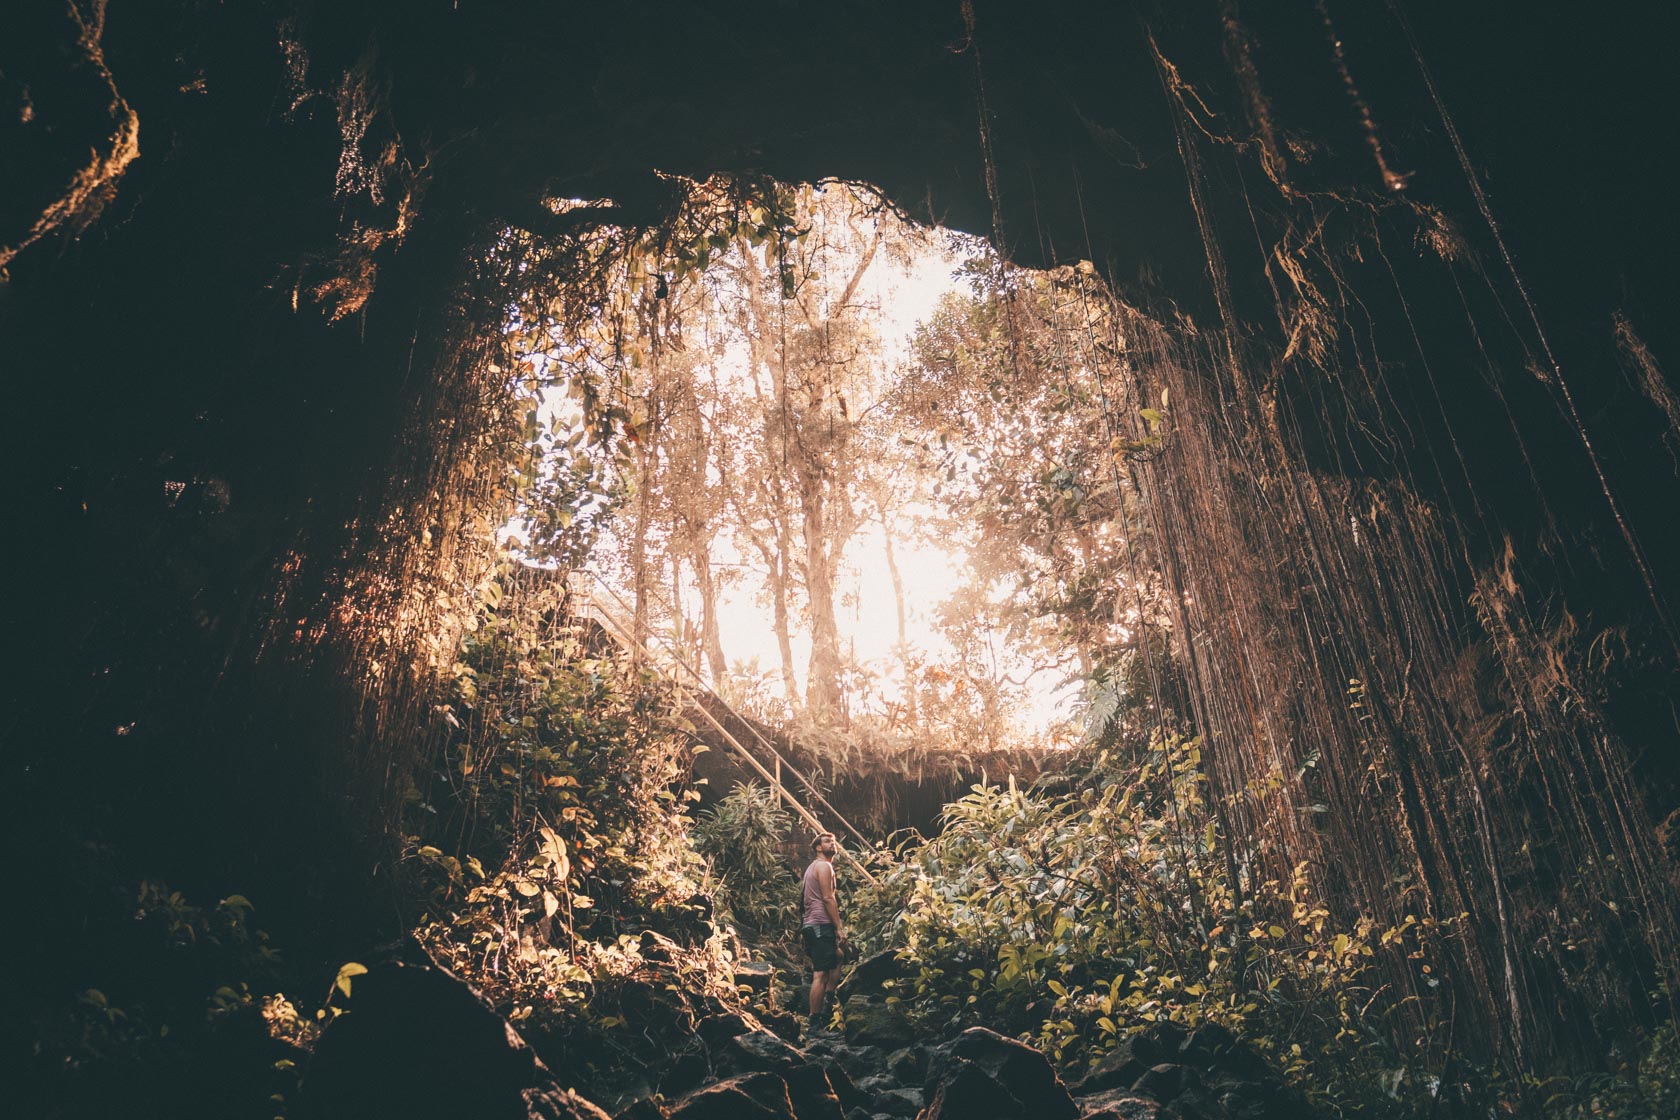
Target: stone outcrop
1201,1074
417,1042
983,1074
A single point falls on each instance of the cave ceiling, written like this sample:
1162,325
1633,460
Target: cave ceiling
157,321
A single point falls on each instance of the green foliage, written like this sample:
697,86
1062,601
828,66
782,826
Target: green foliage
164,1024
1645,1086
1081,918
556,827
744,837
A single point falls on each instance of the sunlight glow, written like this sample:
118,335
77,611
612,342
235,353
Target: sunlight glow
900,290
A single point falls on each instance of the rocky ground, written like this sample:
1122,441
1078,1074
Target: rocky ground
419,1042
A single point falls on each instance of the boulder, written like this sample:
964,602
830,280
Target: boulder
898,1102
1268,1098
758,1051
717,1029
1025,1072
1159,1042
1168,1081
812,1094
754,975
967,1092
875,1082
845,1088
753,1096
786,1024
417,1043
1206,1045
858,1060
872,1023
909,1065
809,1089
870,975
983,1075
1118,1104
657,948
688,922
1118,1069
687,1071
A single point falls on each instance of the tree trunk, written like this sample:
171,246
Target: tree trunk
779,620
711,641
903,647
822,689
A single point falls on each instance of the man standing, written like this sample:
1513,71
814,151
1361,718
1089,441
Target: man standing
820,927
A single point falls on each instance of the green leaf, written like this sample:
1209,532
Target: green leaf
346,972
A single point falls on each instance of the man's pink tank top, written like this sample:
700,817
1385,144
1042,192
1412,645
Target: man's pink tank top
815,912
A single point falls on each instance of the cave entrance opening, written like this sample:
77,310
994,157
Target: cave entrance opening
858,473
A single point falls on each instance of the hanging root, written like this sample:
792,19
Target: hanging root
1640,362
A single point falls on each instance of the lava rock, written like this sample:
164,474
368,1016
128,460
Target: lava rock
1118,1069
1118,1104
754,1096
1267,1098
871,1023
1159,1042
969,1093
808,1086
1167,1081
759,1051
715,1030
656,947
688,1071
857,1060
419,1043
1025,1072
754,975
908,1065
870,975
898,1102
844,1087
1204,1046
812,1094
688,922
785,1024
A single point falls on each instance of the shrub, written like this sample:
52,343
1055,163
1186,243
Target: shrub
745,838
555,832
1080,918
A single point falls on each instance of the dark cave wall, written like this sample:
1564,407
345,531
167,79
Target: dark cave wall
278,327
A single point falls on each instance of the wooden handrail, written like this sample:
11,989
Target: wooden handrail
628,639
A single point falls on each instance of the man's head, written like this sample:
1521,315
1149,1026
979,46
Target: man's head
825,845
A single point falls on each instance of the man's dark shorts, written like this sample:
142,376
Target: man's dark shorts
821,946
